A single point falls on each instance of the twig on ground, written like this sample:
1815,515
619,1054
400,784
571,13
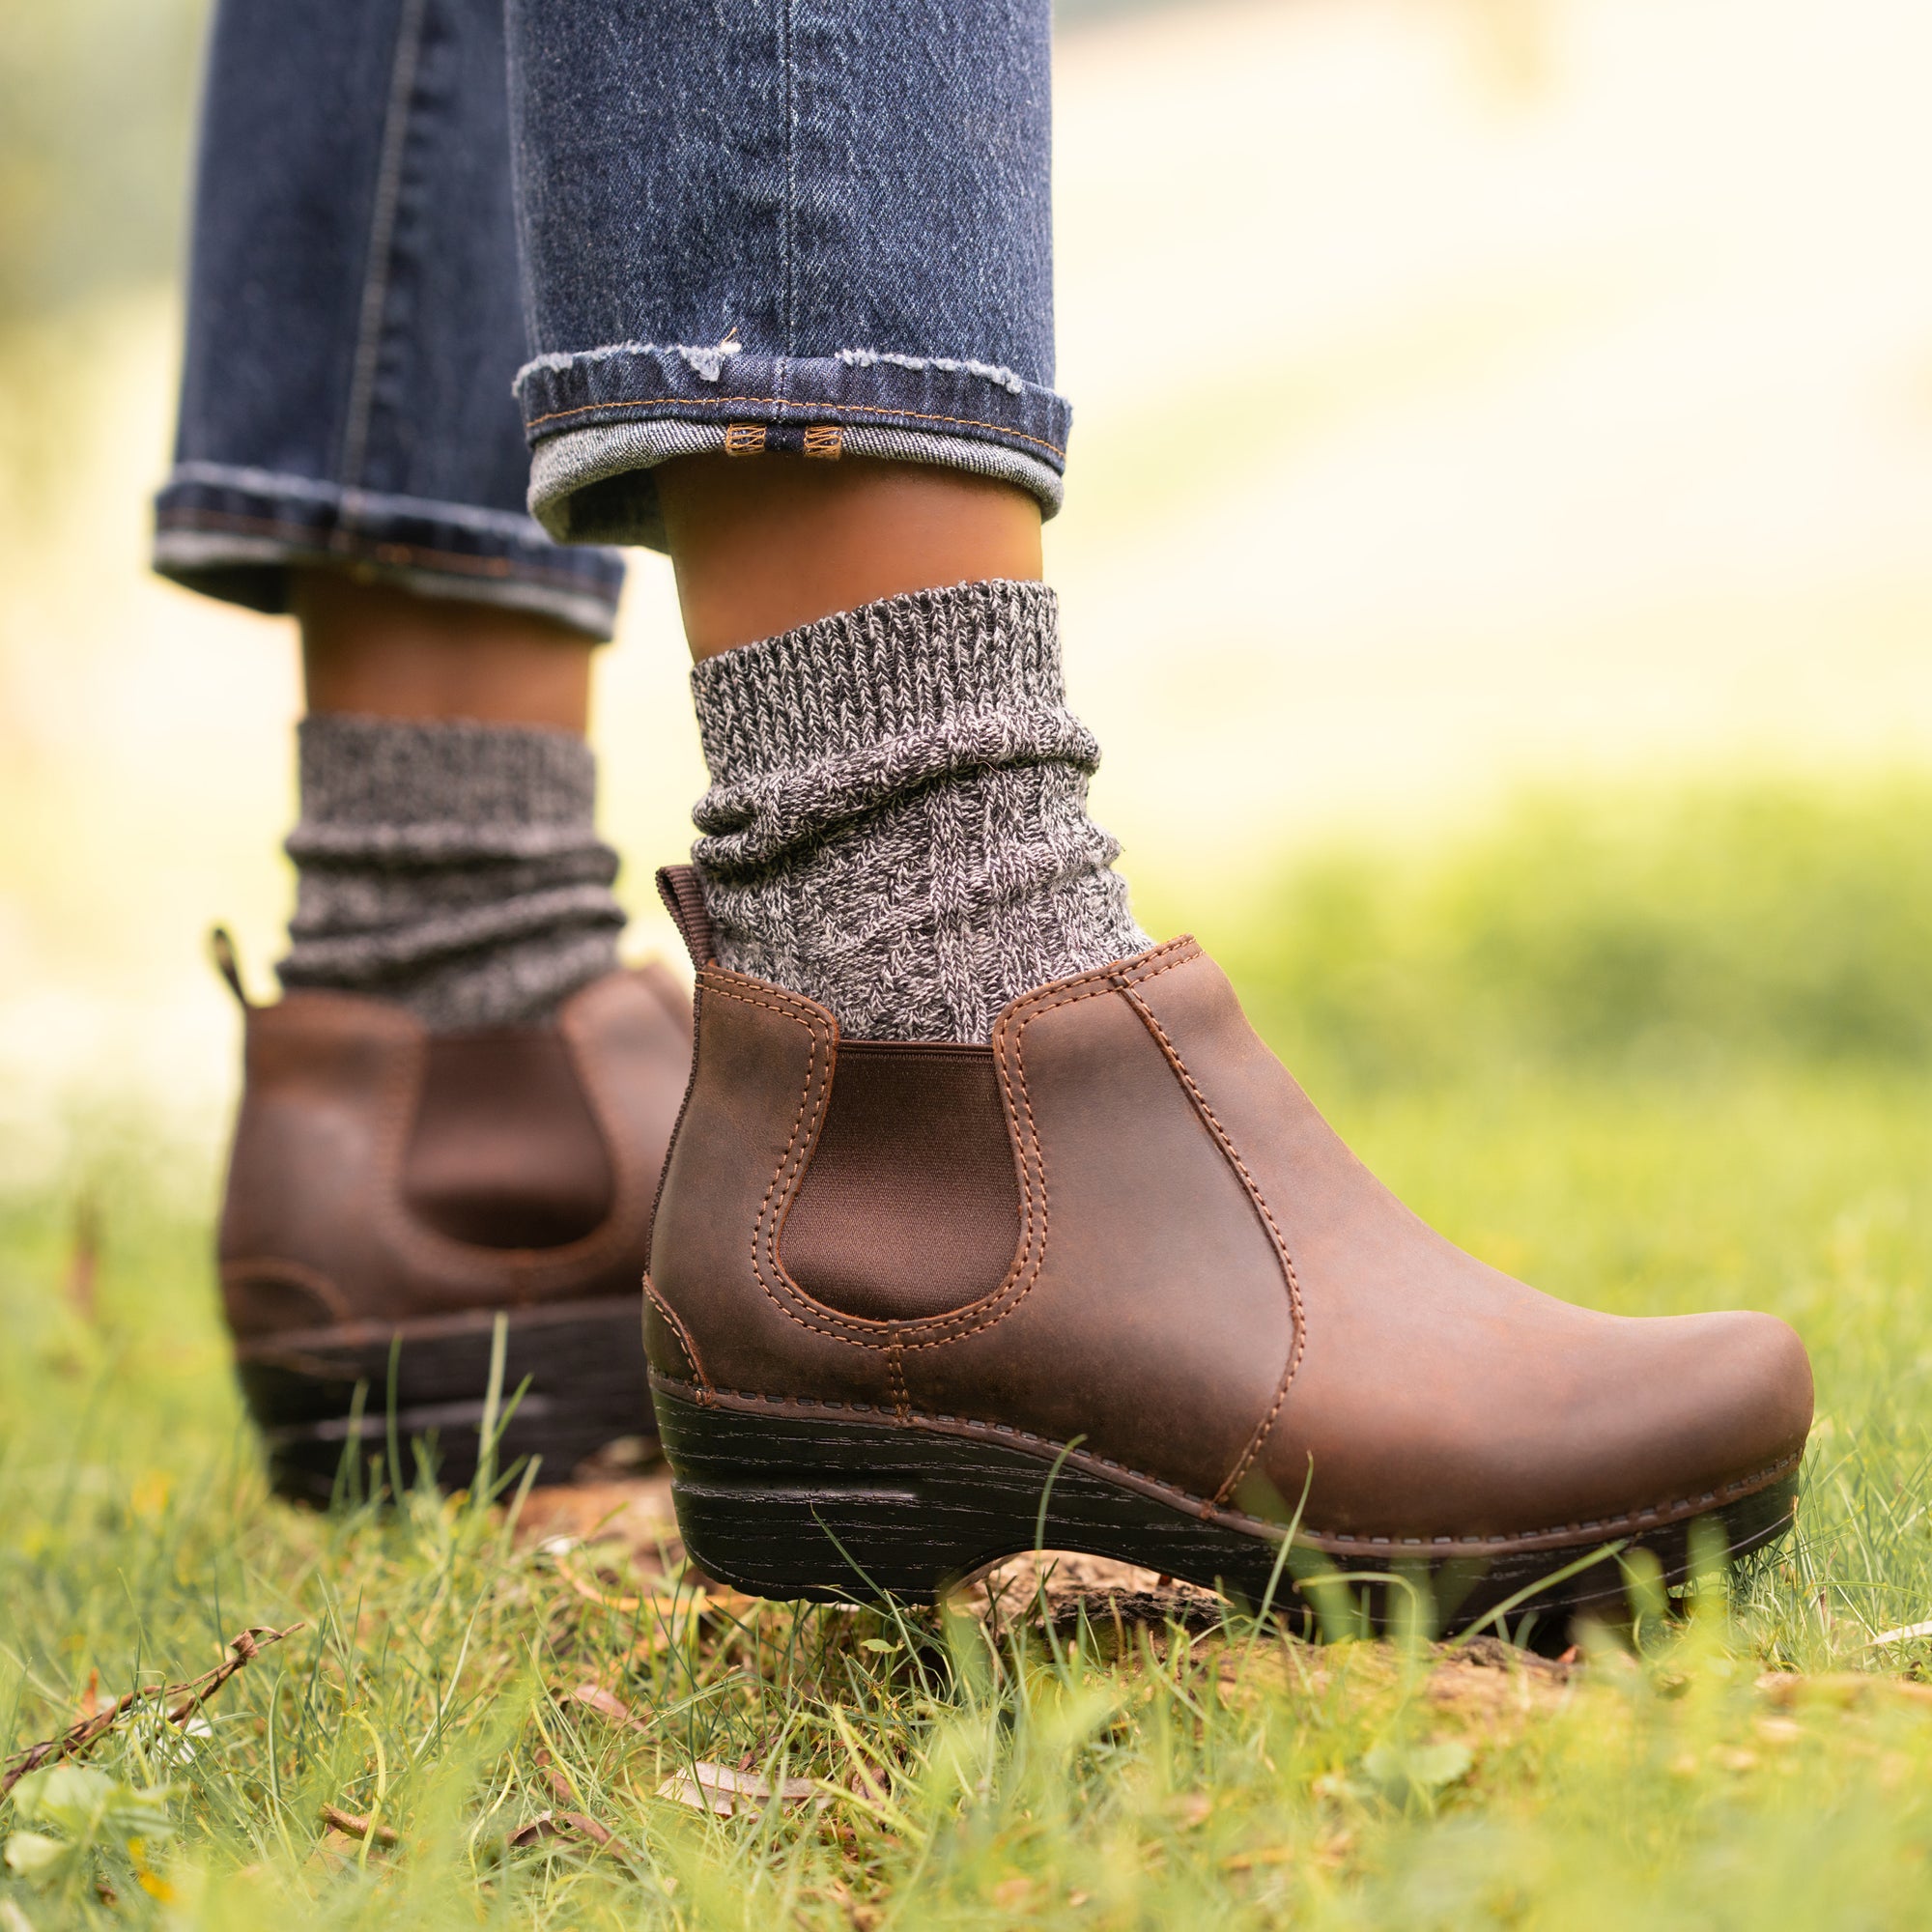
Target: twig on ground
356,1827
82,1736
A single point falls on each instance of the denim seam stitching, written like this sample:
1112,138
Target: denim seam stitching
355,504
339,542
786,402
788,220
381,237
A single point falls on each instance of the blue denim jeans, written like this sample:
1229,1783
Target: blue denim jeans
466,271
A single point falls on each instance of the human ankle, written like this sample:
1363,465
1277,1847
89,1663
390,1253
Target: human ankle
376,651
764,545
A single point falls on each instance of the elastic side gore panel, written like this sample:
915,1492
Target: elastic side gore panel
911,1204
505,1151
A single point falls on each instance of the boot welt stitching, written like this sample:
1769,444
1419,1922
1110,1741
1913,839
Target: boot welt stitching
1659,1513
1299,1344
679,1330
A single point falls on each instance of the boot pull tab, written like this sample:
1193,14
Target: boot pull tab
679,887
221,950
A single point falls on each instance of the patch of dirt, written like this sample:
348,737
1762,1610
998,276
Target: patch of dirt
1485,1679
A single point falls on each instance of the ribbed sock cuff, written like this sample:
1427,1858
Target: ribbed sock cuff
449,787
896,824
884,670
451,867
804,732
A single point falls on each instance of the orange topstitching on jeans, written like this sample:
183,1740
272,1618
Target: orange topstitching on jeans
787,402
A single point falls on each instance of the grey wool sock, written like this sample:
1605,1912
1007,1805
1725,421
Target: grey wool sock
896,825
452,867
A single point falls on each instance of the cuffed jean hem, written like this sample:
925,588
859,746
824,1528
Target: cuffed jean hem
235,534
595,486
598,422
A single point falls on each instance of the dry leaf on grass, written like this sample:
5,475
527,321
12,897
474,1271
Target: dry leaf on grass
1904,1634
870,1783
333,1852
859,1914
594,1698
559,1785
560,1825
717,1788
590,1593
634,1512
1110,1593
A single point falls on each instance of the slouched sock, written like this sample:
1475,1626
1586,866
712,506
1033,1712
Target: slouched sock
452,867
896,825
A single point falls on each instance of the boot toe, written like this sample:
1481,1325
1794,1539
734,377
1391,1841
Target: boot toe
1570,1423
1754,1394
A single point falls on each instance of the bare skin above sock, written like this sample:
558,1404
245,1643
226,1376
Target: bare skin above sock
452,867
896,825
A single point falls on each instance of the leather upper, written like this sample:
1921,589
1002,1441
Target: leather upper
1207,1290
377,1172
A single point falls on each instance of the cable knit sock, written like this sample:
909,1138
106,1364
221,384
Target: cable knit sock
454,869
896,824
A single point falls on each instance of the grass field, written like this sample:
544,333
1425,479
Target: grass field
1658,1054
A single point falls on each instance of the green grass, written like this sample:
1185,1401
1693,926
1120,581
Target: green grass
1656,1055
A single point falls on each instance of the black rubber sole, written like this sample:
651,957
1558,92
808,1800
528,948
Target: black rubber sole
325,1394
794,1503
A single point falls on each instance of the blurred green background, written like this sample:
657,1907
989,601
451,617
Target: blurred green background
1498,556
95,133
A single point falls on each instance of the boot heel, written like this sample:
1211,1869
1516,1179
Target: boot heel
324,1394
814,1504
816,1508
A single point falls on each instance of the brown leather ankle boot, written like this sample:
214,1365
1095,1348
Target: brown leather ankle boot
1110,1283
391,1191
